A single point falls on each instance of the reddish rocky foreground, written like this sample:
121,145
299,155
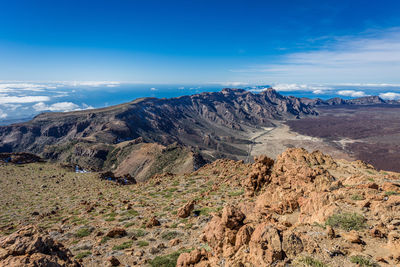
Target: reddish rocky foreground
304,209
29,247
307,207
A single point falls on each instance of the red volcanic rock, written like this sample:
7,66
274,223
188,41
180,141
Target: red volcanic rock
116,232
113,261
190,259
232,217
185,211
30,247
153,222
260,174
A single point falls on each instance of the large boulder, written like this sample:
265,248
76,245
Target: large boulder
266,245
185,210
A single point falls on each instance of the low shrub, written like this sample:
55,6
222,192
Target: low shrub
347,221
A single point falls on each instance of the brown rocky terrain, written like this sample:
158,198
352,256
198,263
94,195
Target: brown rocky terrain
135,158
337,101
303,209
370,133
311,210
29,247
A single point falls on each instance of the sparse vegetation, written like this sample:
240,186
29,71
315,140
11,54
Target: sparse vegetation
86,231
130,212
83,254
138,233
105,239
311,262
236,193
347,221
391,193
357,197
319,225
167,260
131,207
129,224
124,245
142,243
169,235
362,261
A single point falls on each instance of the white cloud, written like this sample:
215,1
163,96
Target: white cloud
370,84
368,58
234,84
300,87
289,87
59,107
93,83
390,96
5,99
11,107
8,87
319,92
3,115
351,93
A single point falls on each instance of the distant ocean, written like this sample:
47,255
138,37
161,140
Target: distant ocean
105,96
21,102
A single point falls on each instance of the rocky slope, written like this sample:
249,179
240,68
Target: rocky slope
365,100
311,211
29,247
197,120
129,158
303,209
185,119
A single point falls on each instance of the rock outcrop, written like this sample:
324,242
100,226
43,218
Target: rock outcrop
186,209
29,247
19,158
298,193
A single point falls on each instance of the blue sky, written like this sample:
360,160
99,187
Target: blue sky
201,41
67,55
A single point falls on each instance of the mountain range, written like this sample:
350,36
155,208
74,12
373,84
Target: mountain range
202,127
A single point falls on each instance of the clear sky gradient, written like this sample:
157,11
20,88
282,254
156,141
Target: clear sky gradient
201,41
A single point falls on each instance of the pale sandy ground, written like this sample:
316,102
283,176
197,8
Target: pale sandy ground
273,141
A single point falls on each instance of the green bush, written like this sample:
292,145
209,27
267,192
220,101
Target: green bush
83,232
169,235
362,261
138,233
129,224
124,245
347,221
130,212
83,254
236,193
142,243
167,260
105,239
309,261
357,197
390,193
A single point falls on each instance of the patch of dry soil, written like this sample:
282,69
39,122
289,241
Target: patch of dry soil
274,141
